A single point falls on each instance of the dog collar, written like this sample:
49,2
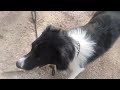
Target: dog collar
78,48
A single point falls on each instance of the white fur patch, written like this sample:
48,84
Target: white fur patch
86,44
21,61
86,49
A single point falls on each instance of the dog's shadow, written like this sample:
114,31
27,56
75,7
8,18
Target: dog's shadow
12,74
35,74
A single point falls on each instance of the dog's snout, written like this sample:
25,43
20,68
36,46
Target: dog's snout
20,63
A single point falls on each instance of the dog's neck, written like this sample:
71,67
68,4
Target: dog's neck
82,39
77,47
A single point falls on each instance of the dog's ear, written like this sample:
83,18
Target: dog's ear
62,63
51,27
66,51
63,59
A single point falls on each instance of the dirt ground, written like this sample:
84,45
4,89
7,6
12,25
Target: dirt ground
17,34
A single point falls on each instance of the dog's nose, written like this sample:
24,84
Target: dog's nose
18,64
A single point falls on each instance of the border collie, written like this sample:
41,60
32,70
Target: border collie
76,48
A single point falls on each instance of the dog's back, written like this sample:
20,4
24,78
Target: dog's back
104,28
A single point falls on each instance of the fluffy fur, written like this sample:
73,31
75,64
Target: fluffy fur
75,48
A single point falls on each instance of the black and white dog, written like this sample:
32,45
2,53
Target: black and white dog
74,49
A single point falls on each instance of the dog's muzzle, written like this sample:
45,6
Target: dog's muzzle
20,63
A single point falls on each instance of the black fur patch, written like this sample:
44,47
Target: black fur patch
52,47
104,28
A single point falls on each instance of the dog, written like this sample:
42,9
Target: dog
74,49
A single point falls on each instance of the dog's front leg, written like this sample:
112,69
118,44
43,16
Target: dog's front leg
75,72
75,68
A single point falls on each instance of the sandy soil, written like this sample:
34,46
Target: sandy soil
17,34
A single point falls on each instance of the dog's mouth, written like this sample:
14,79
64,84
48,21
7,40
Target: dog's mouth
27,68
22,65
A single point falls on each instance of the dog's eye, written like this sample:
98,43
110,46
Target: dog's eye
36,53
34,45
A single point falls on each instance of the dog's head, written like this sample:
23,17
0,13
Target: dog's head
52,47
